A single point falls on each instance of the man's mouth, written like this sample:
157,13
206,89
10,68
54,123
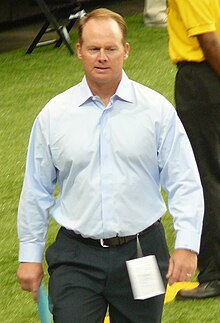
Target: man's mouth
102,68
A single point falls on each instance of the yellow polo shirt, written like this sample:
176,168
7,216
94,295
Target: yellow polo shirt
187,19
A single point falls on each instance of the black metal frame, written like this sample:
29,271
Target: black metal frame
52,25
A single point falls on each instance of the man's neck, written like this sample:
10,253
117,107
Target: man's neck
104,91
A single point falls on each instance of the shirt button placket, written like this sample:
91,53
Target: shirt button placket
106,173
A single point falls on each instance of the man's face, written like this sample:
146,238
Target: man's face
102,52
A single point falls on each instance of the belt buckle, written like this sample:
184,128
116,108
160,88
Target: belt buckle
102,243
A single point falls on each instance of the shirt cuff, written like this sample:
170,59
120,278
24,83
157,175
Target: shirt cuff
188,240
31,252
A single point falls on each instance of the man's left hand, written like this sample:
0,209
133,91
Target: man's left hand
182,265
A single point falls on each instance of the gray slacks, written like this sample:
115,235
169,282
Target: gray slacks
154,11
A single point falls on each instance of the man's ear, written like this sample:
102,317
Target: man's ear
126,50
78,50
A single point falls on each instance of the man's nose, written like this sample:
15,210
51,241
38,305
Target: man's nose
102,55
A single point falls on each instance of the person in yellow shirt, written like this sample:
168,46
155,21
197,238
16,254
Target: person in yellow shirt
194,46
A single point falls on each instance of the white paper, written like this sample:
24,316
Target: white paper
145,277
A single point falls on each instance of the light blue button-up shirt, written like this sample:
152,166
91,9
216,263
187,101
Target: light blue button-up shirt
110,163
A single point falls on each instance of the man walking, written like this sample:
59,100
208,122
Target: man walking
109,143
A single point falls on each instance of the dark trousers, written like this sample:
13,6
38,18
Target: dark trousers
197,95
85,280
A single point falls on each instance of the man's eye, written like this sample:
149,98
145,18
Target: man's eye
93,50
111,49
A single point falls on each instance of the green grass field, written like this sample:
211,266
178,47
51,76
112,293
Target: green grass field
27,83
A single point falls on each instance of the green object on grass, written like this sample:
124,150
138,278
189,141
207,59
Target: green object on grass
43,306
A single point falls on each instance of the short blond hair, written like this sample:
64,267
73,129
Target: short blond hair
100,14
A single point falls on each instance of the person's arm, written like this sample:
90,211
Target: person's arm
210,45
35,201
180,178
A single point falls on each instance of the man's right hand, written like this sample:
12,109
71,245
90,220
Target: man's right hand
30,276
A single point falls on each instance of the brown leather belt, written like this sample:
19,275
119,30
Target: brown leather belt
110,242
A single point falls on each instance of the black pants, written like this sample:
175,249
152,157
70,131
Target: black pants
197,95
86,279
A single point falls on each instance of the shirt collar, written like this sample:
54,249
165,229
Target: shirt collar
84,93
124,91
